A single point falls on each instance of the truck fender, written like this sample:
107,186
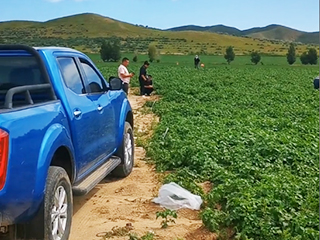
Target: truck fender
55,137
125,109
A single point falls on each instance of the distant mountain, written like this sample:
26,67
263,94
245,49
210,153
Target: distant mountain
309,38
216,28
271,32
86,32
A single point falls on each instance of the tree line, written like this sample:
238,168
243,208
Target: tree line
110,51
309,57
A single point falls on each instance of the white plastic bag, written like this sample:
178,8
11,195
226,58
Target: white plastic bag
174,197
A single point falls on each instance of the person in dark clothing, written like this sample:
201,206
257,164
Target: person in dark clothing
196,62
316,83
143,77
148,86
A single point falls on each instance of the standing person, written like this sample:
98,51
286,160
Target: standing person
124,74
196,62
143,77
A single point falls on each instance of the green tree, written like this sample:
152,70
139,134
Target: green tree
312,56
110,50
291,55
152,52
135,58
230,55
304,58
255,57
105,51
115,50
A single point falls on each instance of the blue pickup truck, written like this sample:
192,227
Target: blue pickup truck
63,128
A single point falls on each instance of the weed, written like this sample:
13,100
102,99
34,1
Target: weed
167,216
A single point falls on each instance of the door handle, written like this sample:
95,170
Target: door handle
99,108
77,113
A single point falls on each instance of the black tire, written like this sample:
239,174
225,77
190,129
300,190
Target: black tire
40,227
58,183
127,159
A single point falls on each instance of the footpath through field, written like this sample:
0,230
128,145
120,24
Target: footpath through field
116,203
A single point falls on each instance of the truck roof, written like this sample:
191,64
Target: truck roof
18,47
54,48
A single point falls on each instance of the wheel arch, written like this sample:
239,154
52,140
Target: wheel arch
56,143
126,115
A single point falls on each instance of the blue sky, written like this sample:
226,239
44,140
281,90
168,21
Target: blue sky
243,14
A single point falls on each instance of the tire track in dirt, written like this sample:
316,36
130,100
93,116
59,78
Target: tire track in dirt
118,202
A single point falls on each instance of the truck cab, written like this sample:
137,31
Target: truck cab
63,128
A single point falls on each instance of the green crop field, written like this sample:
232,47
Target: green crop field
210,61
252,131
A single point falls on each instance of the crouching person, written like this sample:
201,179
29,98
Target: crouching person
148,86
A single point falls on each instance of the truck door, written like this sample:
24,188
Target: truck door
82,113
104,101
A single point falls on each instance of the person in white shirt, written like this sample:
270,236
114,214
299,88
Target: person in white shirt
124,74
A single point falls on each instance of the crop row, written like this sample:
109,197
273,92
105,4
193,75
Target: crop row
251,131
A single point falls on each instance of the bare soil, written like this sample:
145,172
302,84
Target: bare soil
121,206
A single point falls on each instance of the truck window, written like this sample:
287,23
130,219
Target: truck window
71,75
17,71
96,84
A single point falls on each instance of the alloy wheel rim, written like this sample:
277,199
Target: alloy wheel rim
128,150
59,213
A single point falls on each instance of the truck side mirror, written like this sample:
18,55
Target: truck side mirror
115,83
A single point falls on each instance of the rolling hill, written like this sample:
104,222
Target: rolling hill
87,31
271,32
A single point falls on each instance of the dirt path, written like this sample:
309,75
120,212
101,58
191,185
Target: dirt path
121,202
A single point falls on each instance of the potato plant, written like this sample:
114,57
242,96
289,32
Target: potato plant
253,131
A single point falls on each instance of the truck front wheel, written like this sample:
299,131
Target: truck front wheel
126,153
58,205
